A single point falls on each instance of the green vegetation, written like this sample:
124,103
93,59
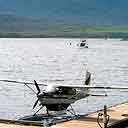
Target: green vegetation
76,30
105,29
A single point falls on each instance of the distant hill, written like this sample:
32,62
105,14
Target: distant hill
51,17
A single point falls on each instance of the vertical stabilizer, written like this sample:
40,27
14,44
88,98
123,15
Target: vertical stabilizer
88,78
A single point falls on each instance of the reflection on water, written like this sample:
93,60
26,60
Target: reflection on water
55,60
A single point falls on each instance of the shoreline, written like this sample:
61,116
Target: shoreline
83,35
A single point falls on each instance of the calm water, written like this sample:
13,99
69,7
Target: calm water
55,60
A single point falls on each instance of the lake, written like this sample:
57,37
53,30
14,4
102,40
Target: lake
55,60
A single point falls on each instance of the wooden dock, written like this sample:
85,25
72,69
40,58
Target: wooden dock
90,121
118,115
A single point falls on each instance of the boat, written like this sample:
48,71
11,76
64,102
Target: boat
124,39
82,44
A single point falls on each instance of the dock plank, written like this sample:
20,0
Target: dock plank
4,125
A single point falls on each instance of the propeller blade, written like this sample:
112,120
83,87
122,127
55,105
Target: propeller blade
35,103
37,86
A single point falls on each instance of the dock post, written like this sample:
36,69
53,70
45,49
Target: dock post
106,117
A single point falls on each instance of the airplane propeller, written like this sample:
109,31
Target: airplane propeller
38,89
35,103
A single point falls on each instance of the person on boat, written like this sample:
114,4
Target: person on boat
82,44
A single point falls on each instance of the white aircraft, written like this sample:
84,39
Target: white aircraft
57,97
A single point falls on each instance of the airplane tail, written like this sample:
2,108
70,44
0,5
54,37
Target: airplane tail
88,78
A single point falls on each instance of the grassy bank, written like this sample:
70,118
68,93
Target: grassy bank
64,30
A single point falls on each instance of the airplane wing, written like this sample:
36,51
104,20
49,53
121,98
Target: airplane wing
22,82
91,87
54,85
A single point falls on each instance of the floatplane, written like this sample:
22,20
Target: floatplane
58,97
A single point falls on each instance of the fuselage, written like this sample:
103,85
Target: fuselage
62,98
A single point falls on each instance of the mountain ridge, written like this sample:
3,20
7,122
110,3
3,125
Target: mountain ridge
35,17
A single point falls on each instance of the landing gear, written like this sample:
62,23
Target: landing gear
72,111
38,110
49,119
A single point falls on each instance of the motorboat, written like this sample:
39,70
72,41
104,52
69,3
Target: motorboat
82,44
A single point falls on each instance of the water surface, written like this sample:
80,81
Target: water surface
55,60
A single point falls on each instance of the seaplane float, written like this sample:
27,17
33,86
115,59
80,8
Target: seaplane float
58,97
